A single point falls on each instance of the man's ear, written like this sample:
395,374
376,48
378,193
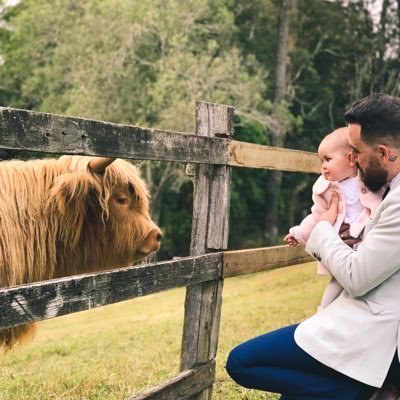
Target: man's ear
384,152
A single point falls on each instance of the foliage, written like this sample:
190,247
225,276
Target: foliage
335,52
176,220
248,201
146,63
246,195
132,63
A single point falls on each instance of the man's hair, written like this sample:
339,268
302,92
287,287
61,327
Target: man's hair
379,117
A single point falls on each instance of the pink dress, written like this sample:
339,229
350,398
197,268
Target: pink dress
356,205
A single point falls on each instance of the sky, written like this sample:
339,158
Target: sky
10,2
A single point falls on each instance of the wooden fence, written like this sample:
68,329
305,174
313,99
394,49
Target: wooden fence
212,153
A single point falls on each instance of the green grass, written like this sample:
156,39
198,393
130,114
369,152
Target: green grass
116,351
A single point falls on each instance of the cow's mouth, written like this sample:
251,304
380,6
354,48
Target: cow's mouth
150,244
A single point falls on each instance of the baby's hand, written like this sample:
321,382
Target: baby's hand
291,240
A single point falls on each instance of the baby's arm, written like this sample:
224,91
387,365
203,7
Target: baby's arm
291,240
302,231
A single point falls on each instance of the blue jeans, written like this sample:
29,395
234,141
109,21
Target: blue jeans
273,362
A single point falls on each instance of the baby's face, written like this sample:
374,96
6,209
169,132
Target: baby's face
335,161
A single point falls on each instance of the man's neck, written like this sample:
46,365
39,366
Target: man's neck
395,180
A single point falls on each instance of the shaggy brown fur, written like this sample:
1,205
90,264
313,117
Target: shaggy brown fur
58,218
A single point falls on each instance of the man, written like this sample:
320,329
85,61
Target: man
348,349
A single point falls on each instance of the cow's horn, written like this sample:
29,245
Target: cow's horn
99,164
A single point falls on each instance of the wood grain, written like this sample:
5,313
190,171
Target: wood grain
184,386
49,299
241,262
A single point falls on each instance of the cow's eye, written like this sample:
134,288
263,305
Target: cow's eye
122,199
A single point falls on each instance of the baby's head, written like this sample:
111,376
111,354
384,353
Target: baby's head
334,152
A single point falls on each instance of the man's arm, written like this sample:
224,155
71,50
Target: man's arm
377,257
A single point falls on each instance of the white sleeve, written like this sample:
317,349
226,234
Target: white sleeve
377,257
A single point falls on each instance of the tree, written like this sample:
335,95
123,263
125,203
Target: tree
331,62
145,63
378,71
130,62
278,134
248,199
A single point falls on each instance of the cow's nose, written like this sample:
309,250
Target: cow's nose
152,242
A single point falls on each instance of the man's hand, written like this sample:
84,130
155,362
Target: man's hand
344,233
331,214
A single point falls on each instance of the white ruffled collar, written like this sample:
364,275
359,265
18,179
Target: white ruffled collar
349,188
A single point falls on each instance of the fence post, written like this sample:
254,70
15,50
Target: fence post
210,228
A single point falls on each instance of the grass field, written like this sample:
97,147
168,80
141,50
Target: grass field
116,351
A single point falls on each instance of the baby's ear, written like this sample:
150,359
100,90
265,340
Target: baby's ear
350,158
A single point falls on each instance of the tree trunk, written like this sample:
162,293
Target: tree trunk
282,50
381,47
274,178
398,17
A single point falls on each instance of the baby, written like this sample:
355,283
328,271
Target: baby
356,202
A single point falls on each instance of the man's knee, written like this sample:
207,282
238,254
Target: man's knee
234,367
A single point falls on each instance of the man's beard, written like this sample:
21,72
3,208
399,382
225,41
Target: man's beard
374,176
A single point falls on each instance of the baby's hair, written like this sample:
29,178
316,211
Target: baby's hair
340,137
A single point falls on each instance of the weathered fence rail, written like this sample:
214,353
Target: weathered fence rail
213,152
183,386
56,297
249,261
51,133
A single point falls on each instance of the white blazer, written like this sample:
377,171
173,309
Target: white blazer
358,333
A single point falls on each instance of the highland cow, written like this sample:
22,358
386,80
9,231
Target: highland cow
71,215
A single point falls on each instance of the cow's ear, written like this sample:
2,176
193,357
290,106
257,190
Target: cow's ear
69,198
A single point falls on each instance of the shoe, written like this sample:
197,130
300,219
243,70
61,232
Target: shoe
386,392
